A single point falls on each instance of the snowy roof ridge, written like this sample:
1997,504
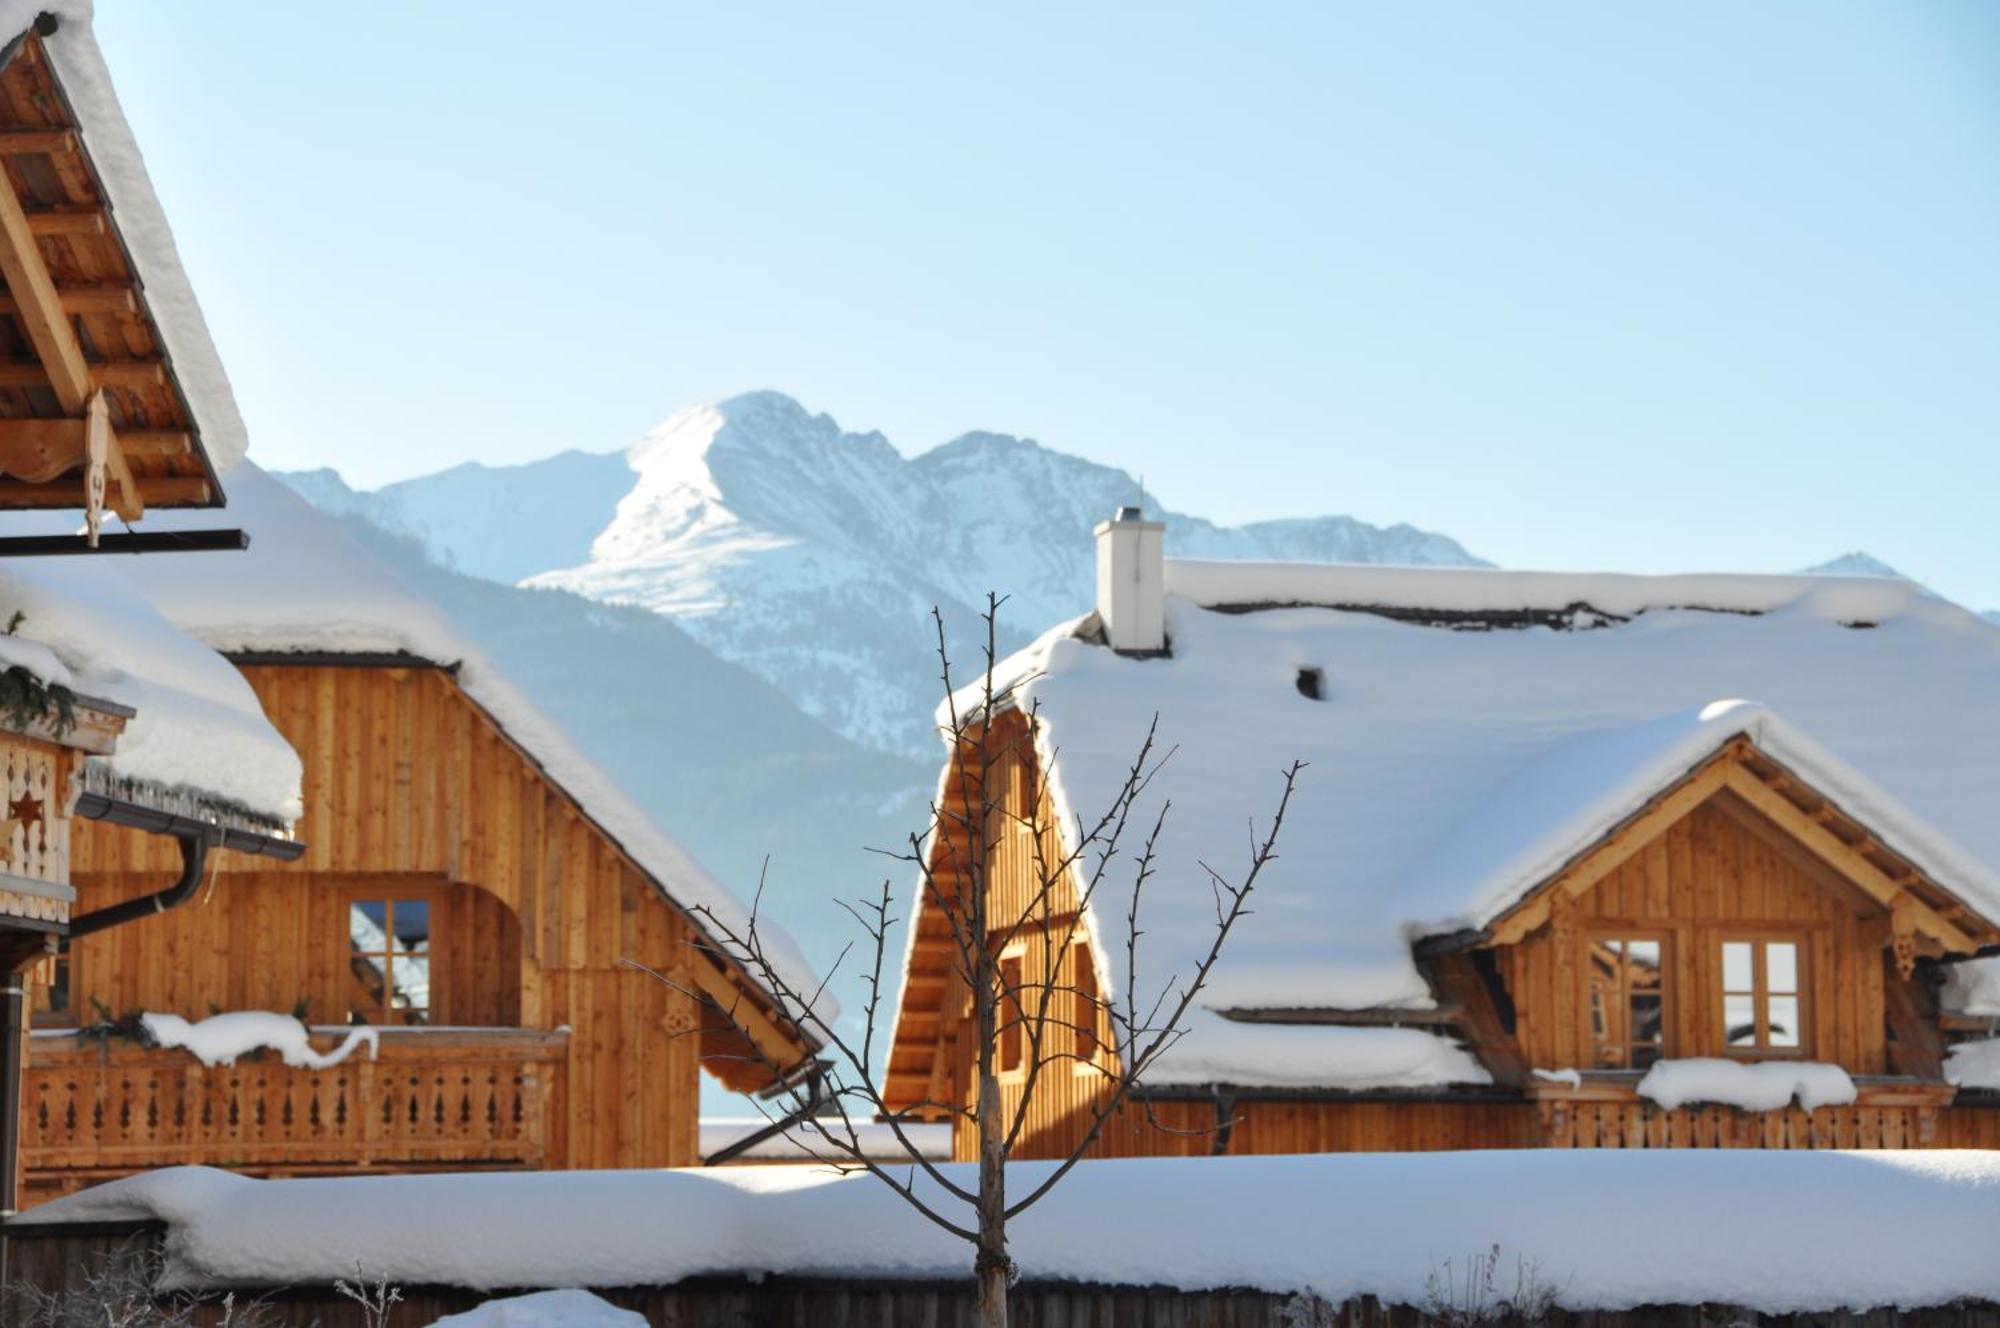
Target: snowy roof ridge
1533,597
305,586
142,223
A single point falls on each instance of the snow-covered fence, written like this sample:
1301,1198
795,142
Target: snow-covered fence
62,1258
1357,1240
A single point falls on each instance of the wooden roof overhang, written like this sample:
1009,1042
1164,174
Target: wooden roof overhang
1926,916
90,407
734,1000
934,999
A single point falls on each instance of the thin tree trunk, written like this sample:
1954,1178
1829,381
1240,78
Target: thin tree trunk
992,1264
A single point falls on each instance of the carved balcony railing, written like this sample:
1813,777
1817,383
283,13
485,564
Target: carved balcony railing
1608,1113
433,1098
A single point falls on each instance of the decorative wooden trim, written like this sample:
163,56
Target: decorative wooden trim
1843,858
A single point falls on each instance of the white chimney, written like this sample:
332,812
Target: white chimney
1131,581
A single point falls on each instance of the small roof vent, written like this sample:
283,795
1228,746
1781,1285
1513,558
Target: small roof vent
1312,684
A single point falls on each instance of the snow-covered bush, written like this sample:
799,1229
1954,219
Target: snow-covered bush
119,1293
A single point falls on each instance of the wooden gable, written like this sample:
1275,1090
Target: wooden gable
1926,913
408,777
1740,854
86,387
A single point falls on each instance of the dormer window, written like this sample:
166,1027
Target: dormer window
1628,1000
1762,1009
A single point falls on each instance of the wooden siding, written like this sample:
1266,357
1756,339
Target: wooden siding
409,785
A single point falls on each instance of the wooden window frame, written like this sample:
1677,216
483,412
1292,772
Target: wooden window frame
1010,1019
1757,938
39,1015
1666,937
1086,1009
437,901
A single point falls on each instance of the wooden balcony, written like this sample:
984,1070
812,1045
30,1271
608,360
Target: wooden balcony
1606,1111
434,1098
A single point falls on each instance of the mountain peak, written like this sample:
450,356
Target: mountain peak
1855,562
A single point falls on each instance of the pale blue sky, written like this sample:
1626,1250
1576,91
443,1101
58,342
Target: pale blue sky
1701,286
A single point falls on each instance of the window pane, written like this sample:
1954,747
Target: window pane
1642,960
1739,1021
1784,1016
367,924
1736,966
1781,966
413,924
410,995
1646,1022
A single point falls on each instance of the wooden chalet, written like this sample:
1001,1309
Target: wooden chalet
474,890
1542,884
112,403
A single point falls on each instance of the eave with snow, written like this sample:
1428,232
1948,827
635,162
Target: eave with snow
112,399
1541,874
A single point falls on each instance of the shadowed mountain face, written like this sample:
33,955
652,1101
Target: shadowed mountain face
813,556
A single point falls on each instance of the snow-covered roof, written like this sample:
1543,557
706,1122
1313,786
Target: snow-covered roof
198,728
142,224
305,585
1476,729
1773,1231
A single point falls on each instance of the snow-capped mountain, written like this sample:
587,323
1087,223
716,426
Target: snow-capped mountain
813,556
1856,562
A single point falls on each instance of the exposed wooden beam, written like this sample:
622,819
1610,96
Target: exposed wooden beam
1456,979
1841,856
37,451
746,1011
68,493
155,442
70,221
39,307
28,142
85,300
137,373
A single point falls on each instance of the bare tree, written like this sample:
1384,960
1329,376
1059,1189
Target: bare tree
1043,1022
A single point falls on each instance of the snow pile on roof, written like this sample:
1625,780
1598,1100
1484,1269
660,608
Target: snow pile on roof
1972,987
198,728
142,225
1451,770
1775,1231
221,1038
568,1308
803,1143
305,585
1974,1064
1753,1086
1215,1050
